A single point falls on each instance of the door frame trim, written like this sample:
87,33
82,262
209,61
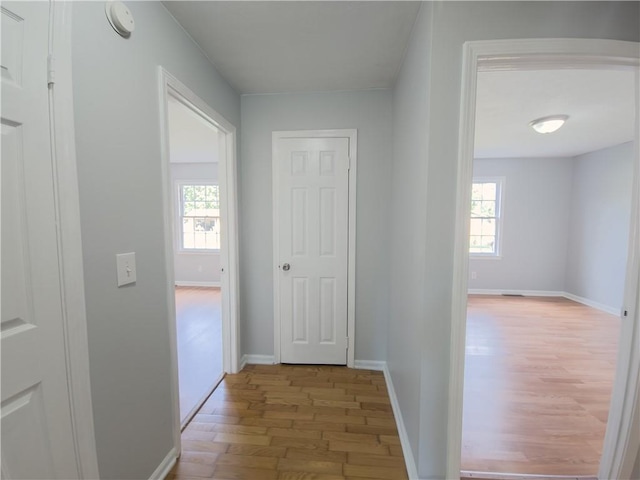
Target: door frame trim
227,178
71,272
352,135
620,445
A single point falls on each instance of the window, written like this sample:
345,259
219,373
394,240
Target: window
199,220
484,232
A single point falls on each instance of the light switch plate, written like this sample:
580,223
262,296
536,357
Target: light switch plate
126,268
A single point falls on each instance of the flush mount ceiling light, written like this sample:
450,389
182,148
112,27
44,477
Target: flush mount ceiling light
548,124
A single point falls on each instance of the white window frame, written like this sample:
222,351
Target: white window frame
500,184
178,217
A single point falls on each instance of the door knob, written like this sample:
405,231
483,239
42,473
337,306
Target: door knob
286,267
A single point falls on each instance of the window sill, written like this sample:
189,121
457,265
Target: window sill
484,257
198,252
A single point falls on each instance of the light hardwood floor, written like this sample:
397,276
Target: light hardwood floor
538,379
286,422
199,338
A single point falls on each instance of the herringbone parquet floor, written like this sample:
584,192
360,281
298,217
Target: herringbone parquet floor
286,422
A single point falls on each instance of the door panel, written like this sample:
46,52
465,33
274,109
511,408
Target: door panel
313,224
327,222
300,309
28,453
12,34
37,436
327,310
16,307
299,222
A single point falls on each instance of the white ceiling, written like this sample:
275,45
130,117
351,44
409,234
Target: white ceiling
276,47
310,46
600,105
191,138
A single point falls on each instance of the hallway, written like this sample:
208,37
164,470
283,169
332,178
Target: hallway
290,422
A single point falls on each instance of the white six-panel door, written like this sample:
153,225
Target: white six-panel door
37,441
313,233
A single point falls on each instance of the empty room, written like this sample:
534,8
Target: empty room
550,215
299,183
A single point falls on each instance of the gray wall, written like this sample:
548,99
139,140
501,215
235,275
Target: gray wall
425,159
566,225
536,209
370,113
194,266
599,228
408,335
118,155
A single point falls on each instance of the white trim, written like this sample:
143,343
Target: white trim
251,359
70,245
590,303
352,135
165,466
180,283
370,365
553,54
412,468
547,293
525,293
169,260
519,476
169,85
402,432
538,54
622,440
275,201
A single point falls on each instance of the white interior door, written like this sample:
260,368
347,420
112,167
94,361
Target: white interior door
37,438
313,217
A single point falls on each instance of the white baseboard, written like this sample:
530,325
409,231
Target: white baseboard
592,304
165,466
525,293
547,293
256,360
412,470
370,365
180,283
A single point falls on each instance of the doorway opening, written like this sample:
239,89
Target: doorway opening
619,447
199,178
548,252
194,159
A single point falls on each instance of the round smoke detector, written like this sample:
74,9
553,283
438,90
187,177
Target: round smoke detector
120,18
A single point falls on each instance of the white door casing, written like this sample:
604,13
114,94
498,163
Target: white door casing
37,424
621,439
311,232
169,85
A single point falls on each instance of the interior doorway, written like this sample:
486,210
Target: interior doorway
547,261
194,151
619,449
199,183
